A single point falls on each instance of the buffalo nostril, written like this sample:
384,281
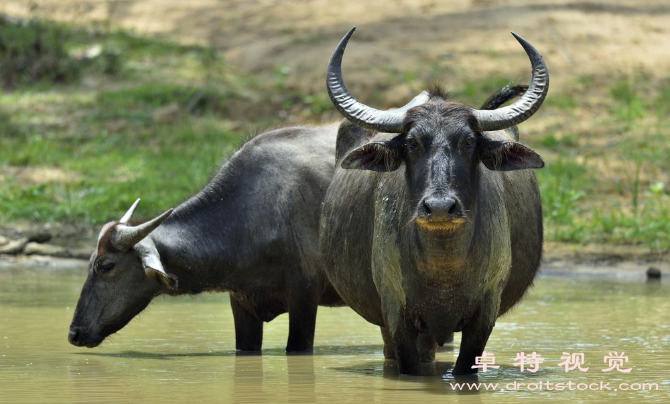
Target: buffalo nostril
442,208
74,336
452,209
426,208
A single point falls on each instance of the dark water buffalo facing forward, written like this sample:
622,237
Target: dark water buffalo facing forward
433,225
252,231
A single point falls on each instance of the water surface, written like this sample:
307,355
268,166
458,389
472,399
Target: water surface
183,349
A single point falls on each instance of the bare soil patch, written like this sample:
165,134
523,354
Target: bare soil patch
39,175
469,37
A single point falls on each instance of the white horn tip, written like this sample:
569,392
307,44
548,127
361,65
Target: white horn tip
129,214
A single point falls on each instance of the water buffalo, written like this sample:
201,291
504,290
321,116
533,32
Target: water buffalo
432,222
253,231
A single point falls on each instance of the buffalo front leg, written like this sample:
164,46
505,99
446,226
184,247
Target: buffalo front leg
409,360
405,343
427,346
473,341
389,346
301,322
248,329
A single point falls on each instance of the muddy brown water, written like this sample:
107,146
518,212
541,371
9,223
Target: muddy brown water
182,349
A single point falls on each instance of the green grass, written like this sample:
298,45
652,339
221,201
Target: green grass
575,210
563,184
139,117
36,51
629,106
609,184
565,102
162,164
476,92
151,127
551,141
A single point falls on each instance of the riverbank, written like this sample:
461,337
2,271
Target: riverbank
70,246
603,261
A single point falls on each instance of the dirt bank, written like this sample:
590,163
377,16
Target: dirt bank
602,265
602,261
69,246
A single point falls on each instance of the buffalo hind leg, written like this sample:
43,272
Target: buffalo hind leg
301,322
248,329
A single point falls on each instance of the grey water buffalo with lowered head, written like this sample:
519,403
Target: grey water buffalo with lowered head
253,231
432,222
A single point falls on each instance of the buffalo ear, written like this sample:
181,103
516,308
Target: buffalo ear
153,267
375,156
166,279
508,156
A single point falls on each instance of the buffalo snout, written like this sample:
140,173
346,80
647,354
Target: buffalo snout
78,336
440,209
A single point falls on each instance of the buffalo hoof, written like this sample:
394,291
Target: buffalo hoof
308,351
464,371
248,352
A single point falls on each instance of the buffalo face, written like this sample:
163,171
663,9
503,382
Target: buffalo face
442,151
125,274
117,289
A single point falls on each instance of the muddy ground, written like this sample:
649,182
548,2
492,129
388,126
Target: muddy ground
432,40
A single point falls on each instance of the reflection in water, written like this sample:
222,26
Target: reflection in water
84,376
183,350
301,378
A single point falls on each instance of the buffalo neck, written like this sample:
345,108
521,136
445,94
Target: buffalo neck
198,243
445,257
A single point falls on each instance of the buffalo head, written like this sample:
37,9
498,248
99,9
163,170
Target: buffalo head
125,274
441,143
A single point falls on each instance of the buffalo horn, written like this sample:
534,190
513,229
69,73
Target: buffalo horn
124,236
391,121
355,111
527,105
126,218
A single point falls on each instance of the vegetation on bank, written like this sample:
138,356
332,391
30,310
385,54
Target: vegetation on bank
92,118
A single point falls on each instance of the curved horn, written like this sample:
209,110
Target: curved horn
527,105
355,111
124,236
126,218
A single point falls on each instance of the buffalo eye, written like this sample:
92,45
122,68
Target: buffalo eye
103,268
412,144
468,143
